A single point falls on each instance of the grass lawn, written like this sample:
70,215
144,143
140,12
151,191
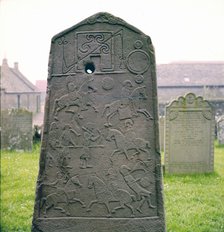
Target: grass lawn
194,203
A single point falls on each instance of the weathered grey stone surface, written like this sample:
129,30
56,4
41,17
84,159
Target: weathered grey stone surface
189,146
16,130
162,132
100,165
220,129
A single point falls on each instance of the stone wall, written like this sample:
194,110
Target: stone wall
16,130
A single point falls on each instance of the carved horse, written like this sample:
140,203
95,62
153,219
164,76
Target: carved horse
125,198
124,144
105,196
129,103
76,97
61,196
70,191
143,195
102,193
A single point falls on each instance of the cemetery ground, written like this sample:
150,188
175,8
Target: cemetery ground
193,203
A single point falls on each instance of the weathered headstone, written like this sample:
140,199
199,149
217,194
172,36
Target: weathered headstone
16,130
189,146
161,132
220,129
100,164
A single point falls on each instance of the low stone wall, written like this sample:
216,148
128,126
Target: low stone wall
16,130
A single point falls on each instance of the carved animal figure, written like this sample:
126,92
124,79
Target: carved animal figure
72,98
104,196
61,196
123,143
52,200
79,97
102,193
130,104
142,194
70,191
125,198
110,110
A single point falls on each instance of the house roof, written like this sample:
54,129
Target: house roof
12,80
191,74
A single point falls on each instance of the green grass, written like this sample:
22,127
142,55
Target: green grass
18,178
194,203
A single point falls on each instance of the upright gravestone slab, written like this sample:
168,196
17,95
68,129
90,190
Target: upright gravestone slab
161,132
189,146
16,130
220,130
100,164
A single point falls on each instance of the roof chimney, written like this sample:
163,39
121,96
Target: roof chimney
4,62
16,65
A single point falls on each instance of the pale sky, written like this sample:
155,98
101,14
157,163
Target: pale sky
181,30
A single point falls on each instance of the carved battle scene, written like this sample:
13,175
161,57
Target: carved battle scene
100,145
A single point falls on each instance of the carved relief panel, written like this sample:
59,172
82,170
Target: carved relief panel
100,161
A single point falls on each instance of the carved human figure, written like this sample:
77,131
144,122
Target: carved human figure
129,106
52,199
85,157
61,194
102,193
143,194
72,98
91,134
64,160
128,130
126,89
140,143
124,198
67,136
124,143
85,92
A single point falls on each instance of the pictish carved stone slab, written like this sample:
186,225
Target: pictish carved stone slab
100,165
220,129
189,146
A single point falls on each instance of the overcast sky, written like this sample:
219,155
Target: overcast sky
181,30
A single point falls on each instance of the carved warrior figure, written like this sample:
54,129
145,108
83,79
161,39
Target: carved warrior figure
60,194
124,143
128,106
105,196
76,97
67,136
142,194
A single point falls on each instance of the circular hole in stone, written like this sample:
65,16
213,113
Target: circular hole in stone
89,68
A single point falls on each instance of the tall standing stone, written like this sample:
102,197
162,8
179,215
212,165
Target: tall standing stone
100,164
189,146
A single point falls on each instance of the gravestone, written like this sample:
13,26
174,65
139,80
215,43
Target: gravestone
16,130
220,129
161,132
100,165
189,146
